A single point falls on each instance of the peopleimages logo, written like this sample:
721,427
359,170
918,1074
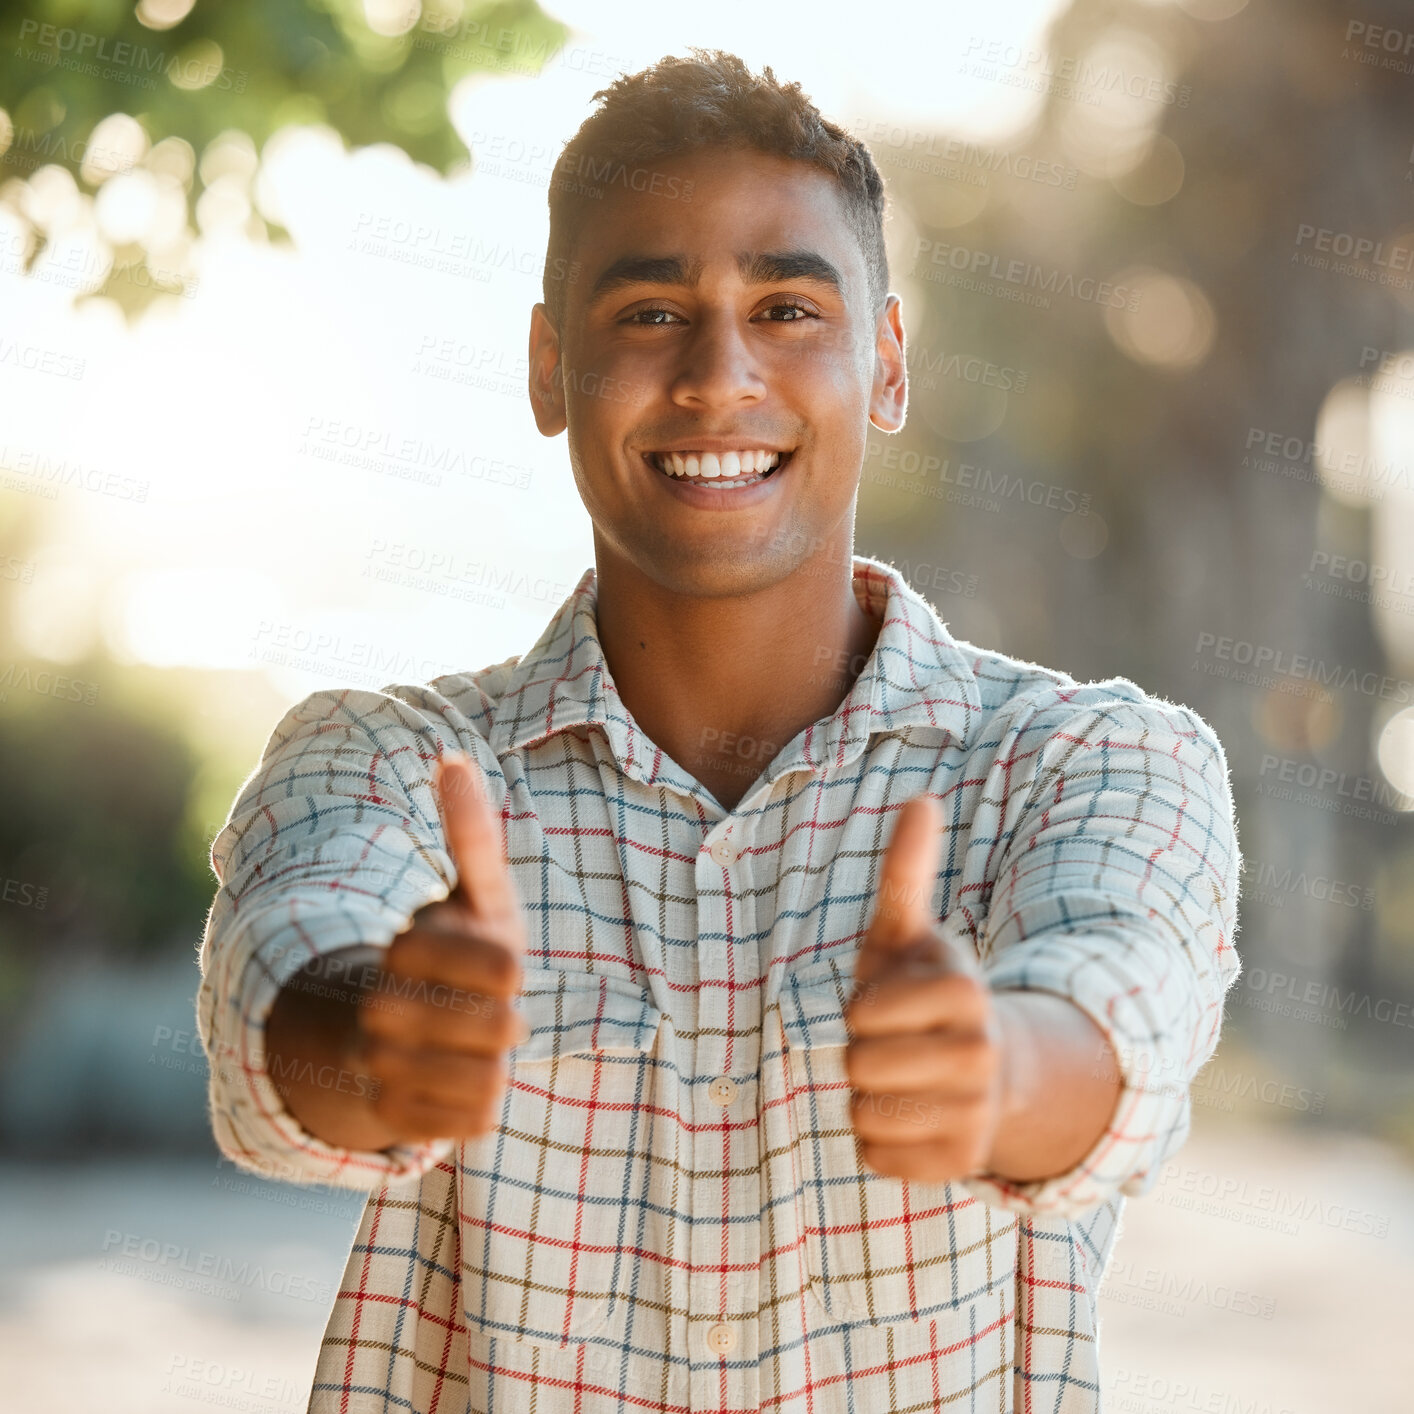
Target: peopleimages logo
1069,75
1299,666
964,481
1392,372
1327,781
926,366
1272,884
1285,995
31,148
926,150
36,359
1267,1198
1137,1387
1387,585
174,1265
962,263
83,52
232,1386
1300,459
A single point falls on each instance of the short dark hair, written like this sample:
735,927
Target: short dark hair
710,100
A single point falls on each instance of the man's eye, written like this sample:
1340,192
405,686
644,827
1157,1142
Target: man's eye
791,309
783,312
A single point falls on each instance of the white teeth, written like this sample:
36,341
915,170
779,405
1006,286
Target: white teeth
715,466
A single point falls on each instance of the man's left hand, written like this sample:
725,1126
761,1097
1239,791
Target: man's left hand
925,1056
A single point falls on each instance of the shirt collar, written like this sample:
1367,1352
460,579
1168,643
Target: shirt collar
916,676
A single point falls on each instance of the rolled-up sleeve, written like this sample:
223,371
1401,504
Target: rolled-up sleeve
1118,889
334,840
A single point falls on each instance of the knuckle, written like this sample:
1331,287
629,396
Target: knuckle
392,1064
437,913
487,1010
384,1016
367,1050
956,988
481,1116
971,1047
945,997
507,1027
864,1111
505,969
373,1020
978,1058
517,973
972,1111
409,944
973,994
386,1105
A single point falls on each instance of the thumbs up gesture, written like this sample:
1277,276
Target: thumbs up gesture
924,1058
436,1027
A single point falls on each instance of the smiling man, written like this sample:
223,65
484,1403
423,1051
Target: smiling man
752,997
753,322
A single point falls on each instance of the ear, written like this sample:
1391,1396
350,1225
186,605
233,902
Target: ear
888,403
547,388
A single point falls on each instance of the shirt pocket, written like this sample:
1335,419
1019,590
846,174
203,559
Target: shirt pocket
876,1249
553,1197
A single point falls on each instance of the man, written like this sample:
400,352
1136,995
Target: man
751,997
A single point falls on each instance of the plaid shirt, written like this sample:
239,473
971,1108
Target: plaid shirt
671,1213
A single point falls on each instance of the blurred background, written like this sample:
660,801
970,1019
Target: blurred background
265,279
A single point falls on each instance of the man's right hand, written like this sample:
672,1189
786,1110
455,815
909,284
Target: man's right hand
436,1029
423,1036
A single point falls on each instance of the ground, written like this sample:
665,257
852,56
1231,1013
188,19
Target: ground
144,1288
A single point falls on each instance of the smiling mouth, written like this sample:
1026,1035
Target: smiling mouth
719,471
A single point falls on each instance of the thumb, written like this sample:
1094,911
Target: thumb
473,834
903,905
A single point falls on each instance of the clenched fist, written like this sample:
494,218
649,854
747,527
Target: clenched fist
436,1028
420,1028
925,1057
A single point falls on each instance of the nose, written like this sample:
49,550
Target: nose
718,367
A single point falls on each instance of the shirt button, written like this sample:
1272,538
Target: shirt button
722,1090
723,851
721,1338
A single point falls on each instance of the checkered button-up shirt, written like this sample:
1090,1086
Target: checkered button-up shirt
671,1213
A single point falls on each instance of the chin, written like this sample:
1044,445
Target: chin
720,571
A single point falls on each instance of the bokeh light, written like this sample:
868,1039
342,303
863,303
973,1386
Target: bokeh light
1166,321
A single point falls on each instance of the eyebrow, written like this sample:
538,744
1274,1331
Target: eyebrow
755,267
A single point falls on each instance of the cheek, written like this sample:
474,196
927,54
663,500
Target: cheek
607,394
595,410
834,376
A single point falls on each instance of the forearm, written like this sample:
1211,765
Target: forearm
309,1038
1062,1085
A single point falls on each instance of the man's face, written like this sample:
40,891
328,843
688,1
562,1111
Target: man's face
738,319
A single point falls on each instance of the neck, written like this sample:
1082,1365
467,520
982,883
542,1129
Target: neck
721,684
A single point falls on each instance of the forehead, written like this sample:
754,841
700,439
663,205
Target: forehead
708,206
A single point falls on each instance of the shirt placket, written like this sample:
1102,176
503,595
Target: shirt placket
725,1243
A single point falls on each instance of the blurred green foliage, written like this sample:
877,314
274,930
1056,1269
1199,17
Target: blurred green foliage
94,829
66,65
100,851
112,802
